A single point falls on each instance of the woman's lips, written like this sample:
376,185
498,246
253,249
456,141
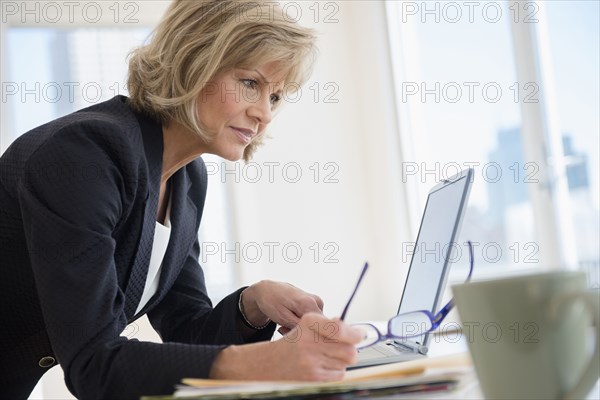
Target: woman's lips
245,135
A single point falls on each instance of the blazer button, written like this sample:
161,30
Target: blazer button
46,362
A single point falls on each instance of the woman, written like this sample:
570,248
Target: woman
100,211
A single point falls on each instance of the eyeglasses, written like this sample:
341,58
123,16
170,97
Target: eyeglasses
406,325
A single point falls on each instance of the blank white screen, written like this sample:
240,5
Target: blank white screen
431,249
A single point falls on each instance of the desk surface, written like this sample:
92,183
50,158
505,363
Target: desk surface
439,345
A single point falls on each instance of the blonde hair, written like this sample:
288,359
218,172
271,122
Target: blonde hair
197,39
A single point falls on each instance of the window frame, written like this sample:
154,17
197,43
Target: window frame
553,227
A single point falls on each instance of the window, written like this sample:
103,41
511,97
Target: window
573,39
63,71
462,102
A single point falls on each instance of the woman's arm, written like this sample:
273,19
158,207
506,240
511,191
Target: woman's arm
186,313
68,222
318,349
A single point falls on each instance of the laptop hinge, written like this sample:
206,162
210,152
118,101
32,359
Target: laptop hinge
412,346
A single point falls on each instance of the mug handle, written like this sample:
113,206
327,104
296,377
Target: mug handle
592,371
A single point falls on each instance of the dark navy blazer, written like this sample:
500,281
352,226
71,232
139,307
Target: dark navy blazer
78,206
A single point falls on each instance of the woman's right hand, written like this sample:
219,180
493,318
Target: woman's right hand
317,349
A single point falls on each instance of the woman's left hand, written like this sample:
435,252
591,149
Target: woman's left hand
280,302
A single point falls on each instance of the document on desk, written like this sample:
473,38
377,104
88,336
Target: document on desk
427,374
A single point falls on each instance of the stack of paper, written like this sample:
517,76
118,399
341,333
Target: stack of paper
426,374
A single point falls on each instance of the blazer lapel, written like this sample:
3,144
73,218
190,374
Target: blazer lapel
153,147
183,234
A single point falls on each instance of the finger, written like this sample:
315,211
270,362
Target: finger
335,330
331,374
325,330
348,333
283,330
319,302
287,318
311,318
341,353
334,364
307,304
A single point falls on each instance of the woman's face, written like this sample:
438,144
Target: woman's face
237,105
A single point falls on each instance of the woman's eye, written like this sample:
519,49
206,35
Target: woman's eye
250,83
275,98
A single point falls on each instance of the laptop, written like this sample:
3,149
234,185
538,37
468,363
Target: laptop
429,267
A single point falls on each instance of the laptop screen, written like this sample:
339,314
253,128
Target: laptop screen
428,268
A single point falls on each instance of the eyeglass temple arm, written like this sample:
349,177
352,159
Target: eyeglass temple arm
360,278
439,317
471,260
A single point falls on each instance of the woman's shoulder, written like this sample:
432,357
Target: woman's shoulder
111,126
106,134
111,119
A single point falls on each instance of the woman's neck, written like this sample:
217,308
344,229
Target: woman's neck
180,147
